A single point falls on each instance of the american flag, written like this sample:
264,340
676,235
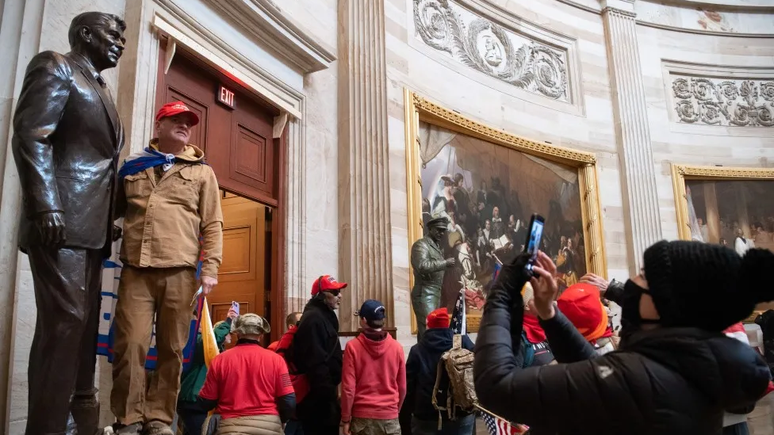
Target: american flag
497,426
458,316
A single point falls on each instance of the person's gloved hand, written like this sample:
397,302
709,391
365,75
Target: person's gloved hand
512,277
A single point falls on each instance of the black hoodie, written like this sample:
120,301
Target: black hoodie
666,381
421,370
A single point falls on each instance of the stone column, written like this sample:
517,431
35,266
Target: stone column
365,259
638,175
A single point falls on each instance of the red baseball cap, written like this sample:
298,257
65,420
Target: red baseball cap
326,283
176,108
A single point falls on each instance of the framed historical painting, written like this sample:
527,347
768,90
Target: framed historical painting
728,206
487,184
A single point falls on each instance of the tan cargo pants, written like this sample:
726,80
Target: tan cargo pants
143,293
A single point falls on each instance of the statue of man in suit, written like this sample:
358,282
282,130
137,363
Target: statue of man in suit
429,266
66,143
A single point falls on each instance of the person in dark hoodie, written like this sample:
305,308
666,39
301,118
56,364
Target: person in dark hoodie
675,372
316,353
421,371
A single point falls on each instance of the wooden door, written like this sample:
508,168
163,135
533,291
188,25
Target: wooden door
239,145
242,276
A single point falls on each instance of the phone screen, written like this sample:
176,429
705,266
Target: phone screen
535,233
235,306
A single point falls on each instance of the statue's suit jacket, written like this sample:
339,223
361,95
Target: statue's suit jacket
66,143
429,265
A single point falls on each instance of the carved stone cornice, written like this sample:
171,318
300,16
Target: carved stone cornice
265,21
620,12
365,245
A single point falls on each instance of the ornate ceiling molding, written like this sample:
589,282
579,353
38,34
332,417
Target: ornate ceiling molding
483,45
265,21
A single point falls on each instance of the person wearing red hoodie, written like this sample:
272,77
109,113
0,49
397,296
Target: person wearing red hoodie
373,379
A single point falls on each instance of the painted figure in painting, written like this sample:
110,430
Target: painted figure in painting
66,143
429,266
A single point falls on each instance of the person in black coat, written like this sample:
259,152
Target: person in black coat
675,372
421,371
316,353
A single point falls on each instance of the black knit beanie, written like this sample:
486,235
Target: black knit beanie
707,286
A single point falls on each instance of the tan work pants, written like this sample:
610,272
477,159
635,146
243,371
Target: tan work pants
143,292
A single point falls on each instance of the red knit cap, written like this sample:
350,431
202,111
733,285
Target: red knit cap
438,319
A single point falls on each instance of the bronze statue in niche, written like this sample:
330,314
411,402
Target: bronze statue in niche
66,143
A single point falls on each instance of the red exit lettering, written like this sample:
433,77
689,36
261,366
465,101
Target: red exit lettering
226,97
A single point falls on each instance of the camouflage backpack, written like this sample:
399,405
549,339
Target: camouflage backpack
457,364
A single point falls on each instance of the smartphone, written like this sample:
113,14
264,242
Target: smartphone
535,234
235,306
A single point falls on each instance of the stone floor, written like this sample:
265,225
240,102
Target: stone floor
760,421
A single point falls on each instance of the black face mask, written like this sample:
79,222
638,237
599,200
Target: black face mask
630,308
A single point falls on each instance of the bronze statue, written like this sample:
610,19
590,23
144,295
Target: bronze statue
66,142
429,267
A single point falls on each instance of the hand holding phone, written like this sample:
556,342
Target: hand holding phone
534,236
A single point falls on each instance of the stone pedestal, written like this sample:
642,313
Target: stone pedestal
638,175
365,258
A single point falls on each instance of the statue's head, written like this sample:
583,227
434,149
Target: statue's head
99,37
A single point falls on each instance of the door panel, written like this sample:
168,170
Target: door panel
242,275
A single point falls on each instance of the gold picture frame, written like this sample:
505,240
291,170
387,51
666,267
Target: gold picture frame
681,173
419,109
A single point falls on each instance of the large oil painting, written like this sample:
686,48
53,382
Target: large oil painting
488,189
733,207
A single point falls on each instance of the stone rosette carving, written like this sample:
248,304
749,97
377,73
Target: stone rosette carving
487,47
735,103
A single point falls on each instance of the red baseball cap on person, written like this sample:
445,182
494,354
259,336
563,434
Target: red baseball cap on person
326,283
438,319
176,108
582,306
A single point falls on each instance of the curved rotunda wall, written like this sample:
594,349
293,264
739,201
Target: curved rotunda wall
583,121
680,134
584,118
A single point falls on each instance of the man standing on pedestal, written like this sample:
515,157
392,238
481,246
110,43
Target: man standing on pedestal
170,200
66,142
429,266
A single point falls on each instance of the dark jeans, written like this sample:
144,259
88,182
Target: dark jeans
192,416
736,429
461,426
293,427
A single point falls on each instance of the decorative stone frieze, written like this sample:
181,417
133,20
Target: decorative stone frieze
724,102
487,47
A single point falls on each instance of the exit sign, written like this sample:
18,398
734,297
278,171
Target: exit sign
225,96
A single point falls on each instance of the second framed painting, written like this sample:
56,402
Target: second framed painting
729,206
487,184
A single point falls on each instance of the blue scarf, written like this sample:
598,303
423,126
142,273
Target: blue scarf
148,158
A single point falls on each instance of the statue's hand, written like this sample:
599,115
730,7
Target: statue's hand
450,262
51,226
117,232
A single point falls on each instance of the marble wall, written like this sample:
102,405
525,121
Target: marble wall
666,54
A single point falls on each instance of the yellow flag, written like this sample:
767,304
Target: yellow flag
208,336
